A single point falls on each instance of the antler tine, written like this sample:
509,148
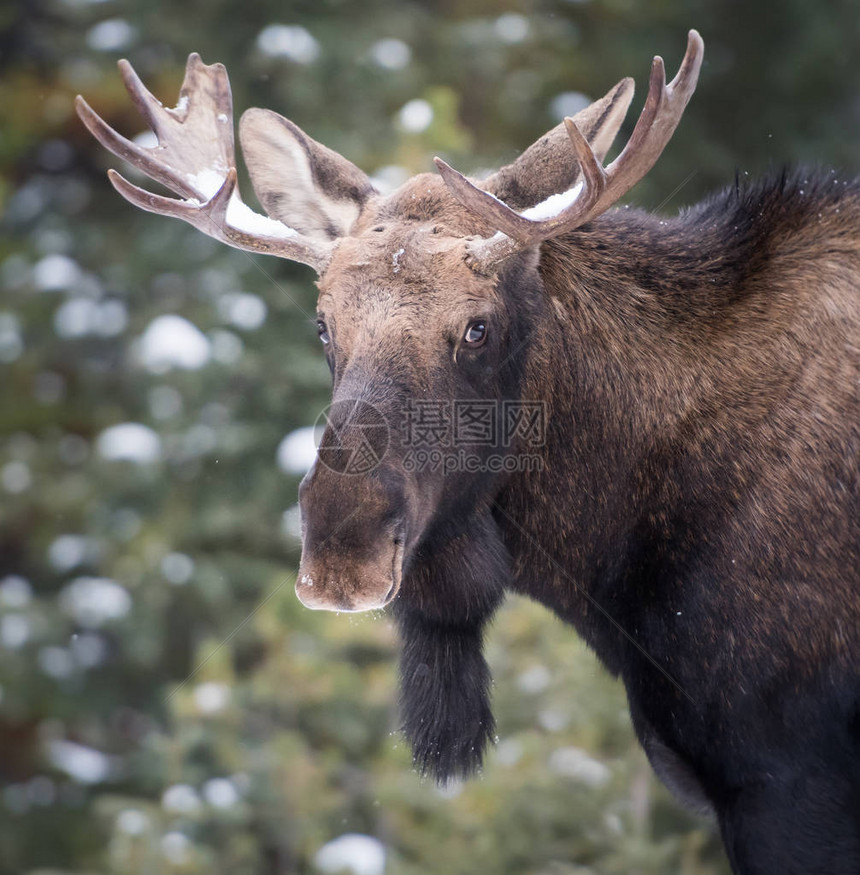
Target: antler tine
600,187
195,158
515,225
214,218
663,109
138,156
483,204
208,217
148,105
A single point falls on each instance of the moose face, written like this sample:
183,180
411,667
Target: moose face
410,333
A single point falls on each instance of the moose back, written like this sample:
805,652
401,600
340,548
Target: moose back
687,393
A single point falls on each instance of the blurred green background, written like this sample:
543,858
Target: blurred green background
166,705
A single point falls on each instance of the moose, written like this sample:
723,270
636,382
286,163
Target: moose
695,515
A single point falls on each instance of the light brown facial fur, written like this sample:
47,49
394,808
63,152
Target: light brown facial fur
396,301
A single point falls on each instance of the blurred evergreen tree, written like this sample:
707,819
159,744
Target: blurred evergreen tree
165,703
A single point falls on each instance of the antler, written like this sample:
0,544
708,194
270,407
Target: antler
600,188
195,159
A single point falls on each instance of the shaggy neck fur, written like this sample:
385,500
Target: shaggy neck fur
691,373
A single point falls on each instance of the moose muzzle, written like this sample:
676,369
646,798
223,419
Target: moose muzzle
352,541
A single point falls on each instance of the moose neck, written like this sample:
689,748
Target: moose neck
635,356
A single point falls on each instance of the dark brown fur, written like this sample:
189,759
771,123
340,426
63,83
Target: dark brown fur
697,514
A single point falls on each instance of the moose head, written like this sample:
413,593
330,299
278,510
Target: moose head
427,294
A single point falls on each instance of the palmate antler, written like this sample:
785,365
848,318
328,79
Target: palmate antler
600,188
195,158
302,182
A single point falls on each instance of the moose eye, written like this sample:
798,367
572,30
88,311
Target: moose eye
476,334
322,331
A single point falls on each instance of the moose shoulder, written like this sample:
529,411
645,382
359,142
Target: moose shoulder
686,392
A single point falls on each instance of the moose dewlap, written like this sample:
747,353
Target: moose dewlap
651,426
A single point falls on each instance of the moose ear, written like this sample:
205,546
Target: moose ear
298,181
548,166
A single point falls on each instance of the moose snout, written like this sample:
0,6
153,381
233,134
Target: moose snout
352,541
340,583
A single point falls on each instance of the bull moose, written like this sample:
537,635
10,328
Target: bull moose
695,513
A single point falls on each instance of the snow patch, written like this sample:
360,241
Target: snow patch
534,680
291,41
111,35
415,116
81,316
352,853
88,649
165,402
146,140
176,848
568,104
55,272
389,177
244,310
577,764
56,662
208,181
131,442
227,347
291,523
84,764
220,793
177,568
180,799
509,752
512,27
241,217
93,601
132,822
211,697
68,551
298,450
391,54
16,477
14,631
553,206
171,341
11,342
15,591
